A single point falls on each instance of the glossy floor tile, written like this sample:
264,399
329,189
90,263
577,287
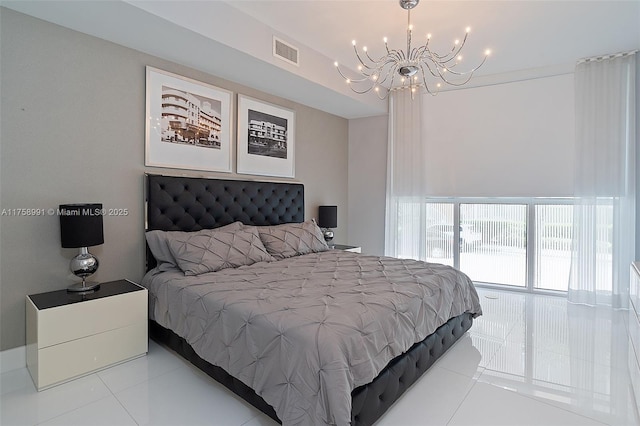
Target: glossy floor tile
529,360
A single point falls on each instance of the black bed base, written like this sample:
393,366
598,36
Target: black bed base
370,401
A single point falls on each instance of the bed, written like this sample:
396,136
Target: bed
316,337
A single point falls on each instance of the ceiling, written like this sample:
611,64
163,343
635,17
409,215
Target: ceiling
521,34
527,38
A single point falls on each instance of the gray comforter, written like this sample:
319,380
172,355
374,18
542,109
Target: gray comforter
304,332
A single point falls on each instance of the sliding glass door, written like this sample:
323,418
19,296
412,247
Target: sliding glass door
523,243
493,243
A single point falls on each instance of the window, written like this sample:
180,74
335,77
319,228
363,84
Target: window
499,251
524,242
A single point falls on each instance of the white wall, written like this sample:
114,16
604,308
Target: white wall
72,130
637,156
467,148
511,139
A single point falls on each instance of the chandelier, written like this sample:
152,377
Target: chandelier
410,69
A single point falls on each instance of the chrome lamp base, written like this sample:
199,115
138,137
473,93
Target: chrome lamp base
84,265
328,236
83,287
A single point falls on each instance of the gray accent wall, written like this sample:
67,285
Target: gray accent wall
72,130
368,182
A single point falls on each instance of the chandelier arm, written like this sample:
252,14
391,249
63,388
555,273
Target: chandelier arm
446,80
455,50
367,72
363,63
350,80
360,59
461,83
395,55
385,96
366,68
424,54
424,83
393,76
386,90
460,73
408,31
441,58
376,61
469,74
415,54
429,68
390,72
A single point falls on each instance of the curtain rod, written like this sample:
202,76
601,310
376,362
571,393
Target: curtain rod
605,57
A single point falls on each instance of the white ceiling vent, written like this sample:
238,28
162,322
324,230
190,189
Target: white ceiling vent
285,51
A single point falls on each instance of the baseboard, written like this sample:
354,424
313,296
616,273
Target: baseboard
13,359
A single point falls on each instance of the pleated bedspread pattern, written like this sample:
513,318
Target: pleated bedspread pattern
303,332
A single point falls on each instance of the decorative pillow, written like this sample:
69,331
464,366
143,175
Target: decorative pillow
293,239
158,242
216,249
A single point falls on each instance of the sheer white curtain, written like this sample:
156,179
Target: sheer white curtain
406,159
605,181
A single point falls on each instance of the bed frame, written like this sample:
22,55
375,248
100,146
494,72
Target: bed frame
191,204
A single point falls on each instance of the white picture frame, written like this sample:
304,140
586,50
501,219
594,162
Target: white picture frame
188,123
266,139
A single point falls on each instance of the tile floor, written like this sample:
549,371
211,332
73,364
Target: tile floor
530,360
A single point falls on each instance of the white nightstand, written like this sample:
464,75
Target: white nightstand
73,334
353,249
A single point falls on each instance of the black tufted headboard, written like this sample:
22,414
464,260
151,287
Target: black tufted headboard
190,204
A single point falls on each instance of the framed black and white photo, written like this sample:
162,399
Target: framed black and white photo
188,123
266,139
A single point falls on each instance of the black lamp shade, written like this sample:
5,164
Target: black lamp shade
80,225
328,216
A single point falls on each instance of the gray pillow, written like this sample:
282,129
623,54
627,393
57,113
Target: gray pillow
158,242
292,239
216,249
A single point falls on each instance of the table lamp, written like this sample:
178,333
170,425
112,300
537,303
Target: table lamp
81,227
328,219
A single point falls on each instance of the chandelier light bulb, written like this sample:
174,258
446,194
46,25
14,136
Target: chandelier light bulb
413,68
336,64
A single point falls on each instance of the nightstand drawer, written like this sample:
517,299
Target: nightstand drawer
72,334
64,362
65,323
